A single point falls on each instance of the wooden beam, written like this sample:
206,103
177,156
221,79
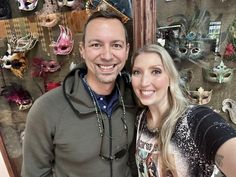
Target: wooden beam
144,22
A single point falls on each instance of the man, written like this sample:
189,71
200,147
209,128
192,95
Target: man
86,127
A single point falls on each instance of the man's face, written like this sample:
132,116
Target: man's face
105,50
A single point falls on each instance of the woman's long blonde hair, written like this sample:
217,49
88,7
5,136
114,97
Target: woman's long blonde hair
178,103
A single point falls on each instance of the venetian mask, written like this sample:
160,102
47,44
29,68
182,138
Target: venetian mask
65,43
16,62
230,106
48,20
219,73
120,7
27,5
186,50
41,67
200,96
68,3
15,93
25,43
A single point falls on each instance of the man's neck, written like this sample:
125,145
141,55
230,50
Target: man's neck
100,88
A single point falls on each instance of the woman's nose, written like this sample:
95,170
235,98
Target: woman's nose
145,80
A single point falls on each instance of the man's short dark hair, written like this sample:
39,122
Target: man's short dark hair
103,14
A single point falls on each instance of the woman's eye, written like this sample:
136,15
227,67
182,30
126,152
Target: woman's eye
156,71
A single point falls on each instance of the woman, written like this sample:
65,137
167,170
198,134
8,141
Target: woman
175,138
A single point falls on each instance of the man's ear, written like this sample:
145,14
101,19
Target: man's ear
81,50
127,49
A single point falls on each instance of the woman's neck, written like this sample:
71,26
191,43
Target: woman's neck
156,114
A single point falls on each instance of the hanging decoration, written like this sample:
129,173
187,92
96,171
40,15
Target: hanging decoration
15,93
48,16
15,61
25,43
186,39
65,42
27,5
122,7
41,68
230,49
200,96
219,73
230,106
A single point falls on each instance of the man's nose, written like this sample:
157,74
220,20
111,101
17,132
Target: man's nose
107,53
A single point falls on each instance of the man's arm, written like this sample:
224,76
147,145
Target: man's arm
37,144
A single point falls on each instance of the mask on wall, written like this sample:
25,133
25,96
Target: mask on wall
68,3
5,10
219,73
230,106
25,43
186,38
123,8
187,50
48,16
16,62
41,67
49,20
27,5
65,42
16,94
200,96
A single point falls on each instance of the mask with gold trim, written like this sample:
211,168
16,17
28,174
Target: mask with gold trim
219,73
16,62
123,8
200,96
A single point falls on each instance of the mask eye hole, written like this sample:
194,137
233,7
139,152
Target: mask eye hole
63,47
183,50
48,20
195,50
212,75
227,75
205,97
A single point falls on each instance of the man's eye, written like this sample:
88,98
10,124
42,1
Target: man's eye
135,73
117,46
96,45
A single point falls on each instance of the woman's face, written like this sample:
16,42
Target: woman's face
150,81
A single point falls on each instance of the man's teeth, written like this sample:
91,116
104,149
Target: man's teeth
106,67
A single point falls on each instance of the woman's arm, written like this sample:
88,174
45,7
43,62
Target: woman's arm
225,157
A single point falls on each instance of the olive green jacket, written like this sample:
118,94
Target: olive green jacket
65,143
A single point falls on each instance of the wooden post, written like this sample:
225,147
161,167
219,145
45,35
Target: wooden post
144,22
